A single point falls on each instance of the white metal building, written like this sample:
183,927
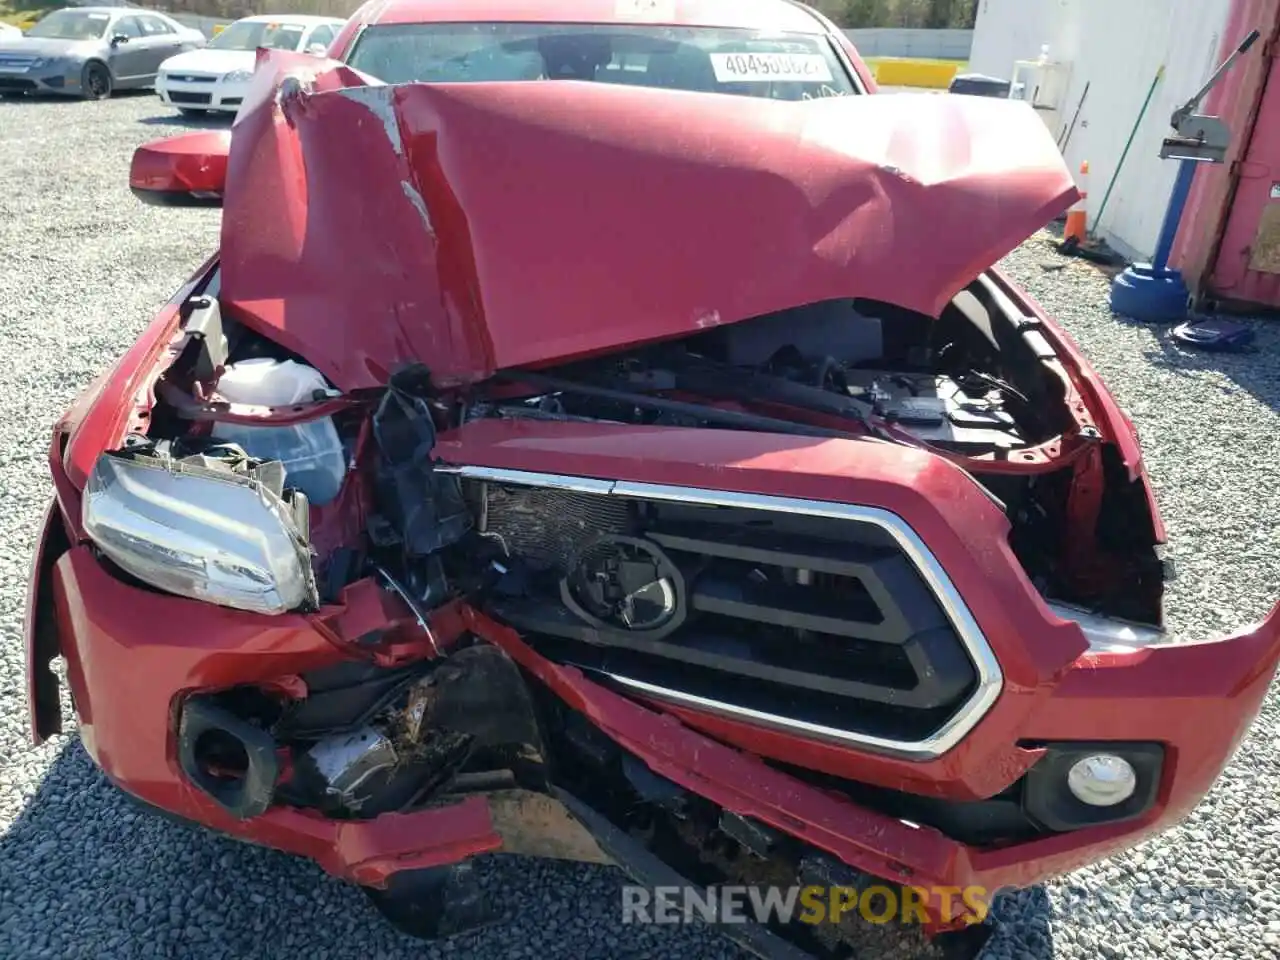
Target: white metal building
1117,49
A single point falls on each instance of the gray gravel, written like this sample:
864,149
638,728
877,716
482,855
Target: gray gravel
83,874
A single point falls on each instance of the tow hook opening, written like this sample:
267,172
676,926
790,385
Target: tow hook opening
230,759
221,756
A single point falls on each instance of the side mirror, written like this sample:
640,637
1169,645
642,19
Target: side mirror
189,170
118,39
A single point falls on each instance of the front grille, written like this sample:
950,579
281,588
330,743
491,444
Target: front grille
16,83
820,623
183,96
190,78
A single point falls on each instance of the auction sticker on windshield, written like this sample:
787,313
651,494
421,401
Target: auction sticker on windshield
763,67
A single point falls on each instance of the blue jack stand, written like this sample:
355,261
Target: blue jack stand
1151,292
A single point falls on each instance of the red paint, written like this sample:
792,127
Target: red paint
701,192
864,194
1217,233
1199,699
189,162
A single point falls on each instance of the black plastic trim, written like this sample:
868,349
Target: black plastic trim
1047,799
243,797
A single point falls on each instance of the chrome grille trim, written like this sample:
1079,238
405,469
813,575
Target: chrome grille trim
990,679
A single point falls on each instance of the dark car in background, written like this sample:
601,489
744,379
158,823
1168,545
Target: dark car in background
92,51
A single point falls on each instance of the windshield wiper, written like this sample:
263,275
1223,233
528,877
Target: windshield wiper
710,415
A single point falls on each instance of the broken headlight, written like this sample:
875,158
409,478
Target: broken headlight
200,531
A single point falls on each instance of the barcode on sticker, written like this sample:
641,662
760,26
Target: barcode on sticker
763,67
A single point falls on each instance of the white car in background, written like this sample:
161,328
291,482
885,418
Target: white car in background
216,76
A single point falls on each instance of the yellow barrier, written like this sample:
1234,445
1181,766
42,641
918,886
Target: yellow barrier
901,72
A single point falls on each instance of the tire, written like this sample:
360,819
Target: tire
95,81
192,112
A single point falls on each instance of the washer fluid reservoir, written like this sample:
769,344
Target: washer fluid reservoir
312,453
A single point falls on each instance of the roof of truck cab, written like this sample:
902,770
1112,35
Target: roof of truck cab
779,15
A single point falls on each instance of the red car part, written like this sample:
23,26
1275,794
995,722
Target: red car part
1043,684
1198,699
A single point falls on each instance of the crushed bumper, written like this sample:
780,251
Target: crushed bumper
128,673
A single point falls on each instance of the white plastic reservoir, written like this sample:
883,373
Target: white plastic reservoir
312,453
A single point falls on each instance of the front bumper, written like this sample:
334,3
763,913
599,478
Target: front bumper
59,77
132,655
205,93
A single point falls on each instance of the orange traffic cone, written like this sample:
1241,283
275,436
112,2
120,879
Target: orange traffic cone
1075,231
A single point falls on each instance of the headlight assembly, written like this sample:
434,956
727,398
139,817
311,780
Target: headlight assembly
238,76
204,532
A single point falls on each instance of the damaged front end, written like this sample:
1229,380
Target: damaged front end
819,569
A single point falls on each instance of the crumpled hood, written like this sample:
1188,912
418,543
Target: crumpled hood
210,61
476,227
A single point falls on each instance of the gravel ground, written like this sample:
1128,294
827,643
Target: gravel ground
82,874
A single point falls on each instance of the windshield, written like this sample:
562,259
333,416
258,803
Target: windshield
71,25
251,34
743,62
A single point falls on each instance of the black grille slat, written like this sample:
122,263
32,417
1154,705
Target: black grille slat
709,650
784,606
186,96
843,559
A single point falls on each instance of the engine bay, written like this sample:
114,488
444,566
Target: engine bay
836,368
980,386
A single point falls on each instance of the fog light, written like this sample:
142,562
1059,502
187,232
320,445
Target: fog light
1102,780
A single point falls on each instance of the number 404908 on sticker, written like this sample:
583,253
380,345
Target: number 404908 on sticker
763,67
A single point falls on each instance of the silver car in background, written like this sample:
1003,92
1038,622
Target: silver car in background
91,51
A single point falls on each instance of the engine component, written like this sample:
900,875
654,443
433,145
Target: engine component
940,411
547,528
396,739
347,762
312,453
424,508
